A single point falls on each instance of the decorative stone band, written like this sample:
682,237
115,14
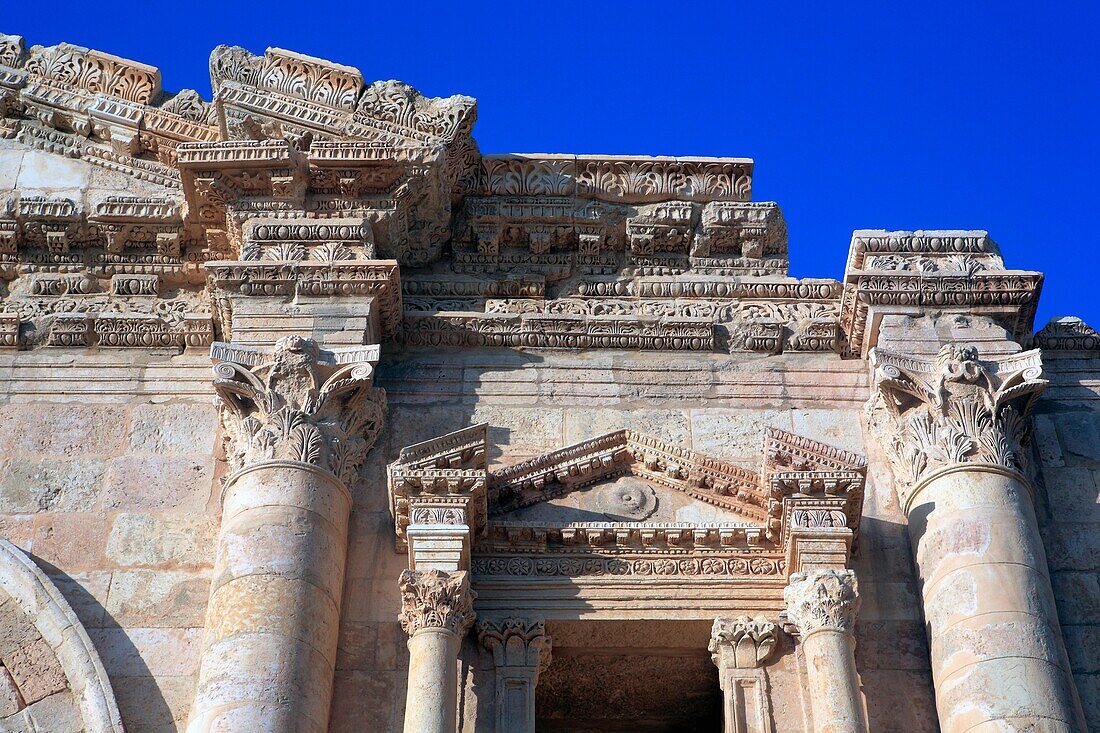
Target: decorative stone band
516,642
742,642
298,403
822,600
433,599
955,409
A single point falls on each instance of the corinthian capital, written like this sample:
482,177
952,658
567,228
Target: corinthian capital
298,402
956,409
742,642
516,642
822,599
435,599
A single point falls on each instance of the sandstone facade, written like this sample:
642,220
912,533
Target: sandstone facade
316,418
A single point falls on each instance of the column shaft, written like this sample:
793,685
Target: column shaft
834,688
823,604
998,659
269,649
433,681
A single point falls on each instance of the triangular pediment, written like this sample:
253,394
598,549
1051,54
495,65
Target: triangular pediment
613,471
629,482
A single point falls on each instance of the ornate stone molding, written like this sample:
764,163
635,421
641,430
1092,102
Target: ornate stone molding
742,642
432,599
956,409
822,600
516,642
1067,334
908,272
299,402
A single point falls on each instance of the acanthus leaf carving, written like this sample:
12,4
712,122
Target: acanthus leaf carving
433,599
824,599
516,642
956,409
742,642
299,403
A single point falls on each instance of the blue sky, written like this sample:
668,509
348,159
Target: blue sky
859,115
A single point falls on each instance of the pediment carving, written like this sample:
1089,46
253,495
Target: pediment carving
802,485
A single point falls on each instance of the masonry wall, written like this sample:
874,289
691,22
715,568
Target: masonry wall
109,478
1067,443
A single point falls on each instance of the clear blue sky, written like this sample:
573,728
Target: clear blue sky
859,115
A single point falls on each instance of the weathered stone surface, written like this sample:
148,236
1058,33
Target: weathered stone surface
233,565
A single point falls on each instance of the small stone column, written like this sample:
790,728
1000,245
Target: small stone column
740,647
298,423
521,650
957,440
823,605
436,612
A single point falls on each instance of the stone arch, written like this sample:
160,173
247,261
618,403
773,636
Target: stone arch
51,677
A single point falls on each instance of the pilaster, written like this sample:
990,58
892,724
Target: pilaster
521,651
740,647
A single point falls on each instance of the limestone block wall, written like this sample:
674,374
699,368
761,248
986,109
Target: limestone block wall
107,479
1067,443
538,401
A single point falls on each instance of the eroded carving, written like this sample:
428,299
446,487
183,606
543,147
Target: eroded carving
433,599
742,642
299,403
822,600
956,408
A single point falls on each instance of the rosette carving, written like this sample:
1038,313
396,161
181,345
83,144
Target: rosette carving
822,599
956,409
298,403
433,599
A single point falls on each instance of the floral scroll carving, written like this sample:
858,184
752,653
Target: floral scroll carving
299,403
433,599
956,409
822,600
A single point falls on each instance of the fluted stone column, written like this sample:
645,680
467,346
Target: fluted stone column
521,650
823,605
958,439
436,612
740,647
298,422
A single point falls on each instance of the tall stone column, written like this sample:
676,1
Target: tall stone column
436,612
521,650
740,647
957,439
823,605
298,422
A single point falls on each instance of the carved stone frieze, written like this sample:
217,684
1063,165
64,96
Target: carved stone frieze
956,408
897,272
1067,334
432,599
822,600
742,642
299,403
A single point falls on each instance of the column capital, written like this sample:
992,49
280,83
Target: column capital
516,642
298,402
433,599
822,599
955,409
742,642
